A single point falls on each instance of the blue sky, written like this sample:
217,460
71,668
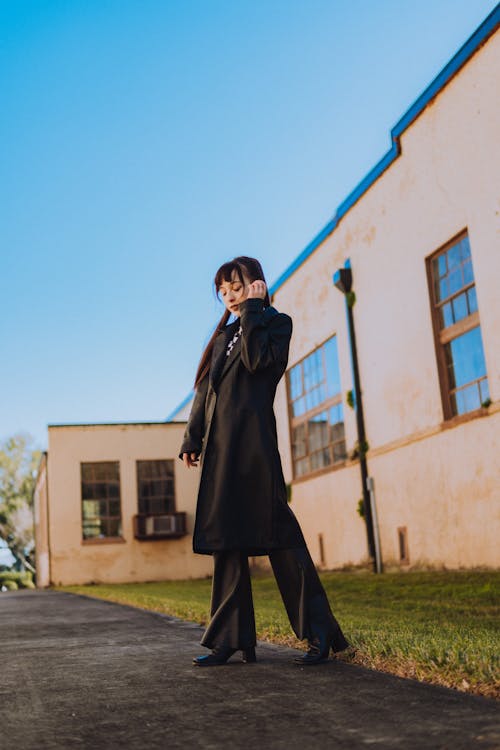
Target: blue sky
145,142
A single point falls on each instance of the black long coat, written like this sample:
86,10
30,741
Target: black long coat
242,501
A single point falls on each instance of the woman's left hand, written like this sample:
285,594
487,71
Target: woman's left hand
257,290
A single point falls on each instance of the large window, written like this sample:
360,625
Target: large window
315,411
459,345
101,514
155,487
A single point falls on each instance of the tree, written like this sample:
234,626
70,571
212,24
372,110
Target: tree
18,464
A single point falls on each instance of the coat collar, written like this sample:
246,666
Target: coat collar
221,364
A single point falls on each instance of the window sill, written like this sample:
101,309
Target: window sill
320,472
160,537
483,411
105,540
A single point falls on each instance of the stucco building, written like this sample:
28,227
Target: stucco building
420,236
113,503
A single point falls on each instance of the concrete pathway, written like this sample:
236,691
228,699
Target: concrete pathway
78,672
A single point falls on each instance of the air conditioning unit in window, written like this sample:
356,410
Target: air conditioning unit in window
160,525
167,526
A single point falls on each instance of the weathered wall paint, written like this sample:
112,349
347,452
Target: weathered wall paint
73,561
442,482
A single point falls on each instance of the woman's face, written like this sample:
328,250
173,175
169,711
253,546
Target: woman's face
233,292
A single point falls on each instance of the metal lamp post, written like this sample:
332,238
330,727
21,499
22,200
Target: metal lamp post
342,279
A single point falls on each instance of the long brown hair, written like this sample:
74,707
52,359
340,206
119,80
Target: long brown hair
242,265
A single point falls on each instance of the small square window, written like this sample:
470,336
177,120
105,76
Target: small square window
155,487
100,493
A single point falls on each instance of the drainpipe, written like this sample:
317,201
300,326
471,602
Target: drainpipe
342,279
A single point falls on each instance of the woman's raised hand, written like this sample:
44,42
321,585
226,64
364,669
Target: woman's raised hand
257,289
190,459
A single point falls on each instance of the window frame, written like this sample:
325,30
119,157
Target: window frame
174,499
108,538
443,336
304,418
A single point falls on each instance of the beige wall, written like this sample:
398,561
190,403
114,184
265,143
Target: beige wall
73,560
440,482
40,518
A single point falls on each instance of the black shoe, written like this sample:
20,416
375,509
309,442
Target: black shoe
220,656
319,648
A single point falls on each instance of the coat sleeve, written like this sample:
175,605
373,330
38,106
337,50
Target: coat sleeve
265,340
193,435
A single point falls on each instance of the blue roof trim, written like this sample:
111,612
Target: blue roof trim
181,406
485,30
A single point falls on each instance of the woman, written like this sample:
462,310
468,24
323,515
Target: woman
242,505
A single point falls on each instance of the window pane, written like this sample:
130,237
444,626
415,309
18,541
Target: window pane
467,399
86,472
320,459
439,266
92,529
162,489
313,370
88,492
158,505
485,391
455,280
301,467
465,357
332,367
443,289
311,400
460,307
306,370
105,470
114,527
337,413
468,272
471,294
315,397
337,432
164,469
114,507
339,451
465,247
90,508
101,489
318,431
113,489
446,315
454,257
299,407
299,447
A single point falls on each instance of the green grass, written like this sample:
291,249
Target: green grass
440,627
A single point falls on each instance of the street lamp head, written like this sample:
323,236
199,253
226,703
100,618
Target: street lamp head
342,279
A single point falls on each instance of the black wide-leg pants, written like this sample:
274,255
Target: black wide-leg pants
232,623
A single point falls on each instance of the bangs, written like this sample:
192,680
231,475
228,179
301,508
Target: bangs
225,273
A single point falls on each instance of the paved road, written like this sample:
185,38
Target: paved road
76,672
